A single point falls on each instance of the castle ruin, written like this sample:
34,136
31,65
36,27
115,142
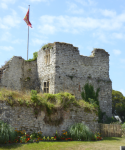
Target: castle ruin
60,67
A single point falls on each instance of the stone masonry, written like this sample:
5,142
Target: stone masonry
23,118
66,70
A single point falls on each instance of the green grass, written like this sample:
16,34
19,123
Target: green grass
112,143
62,99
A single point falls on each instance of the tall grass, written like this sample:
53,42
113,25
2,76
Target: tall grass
79,131
6,132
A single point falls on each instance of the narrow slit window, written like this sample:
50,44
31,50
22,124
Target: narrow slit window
47,57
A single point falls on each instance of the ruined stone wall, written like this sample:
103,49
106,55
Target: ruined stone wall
30,80
20,75
73,71
11,75
23,118
67,71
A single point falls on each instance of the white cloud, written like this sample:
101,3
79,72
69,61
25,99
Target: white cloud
40,36
76,25
117,52
3,5
91,2
108,13
46,1
5,36
47,29
118,35
38,0
23,9
9,1
101,36
47,19
17,41
9,21
82,23
38,41
86,2
121,18
73,8
6,48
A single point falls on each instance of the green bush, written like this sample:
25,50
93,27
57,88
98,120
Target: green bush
6,133
110,120
123,128
34,97
123,125
79,131
35,55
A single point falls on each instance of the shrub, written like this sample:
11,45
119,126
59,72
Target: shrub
123,128
34,97
109,120
35,55
6,132
80,131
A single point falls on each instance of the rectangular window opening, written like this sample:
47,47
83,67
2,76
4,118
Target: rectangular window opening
46,87
47,56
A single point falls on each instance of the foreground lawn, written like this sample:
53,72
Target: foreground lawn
108,143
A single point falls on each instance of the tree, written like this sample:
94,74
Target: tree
118,105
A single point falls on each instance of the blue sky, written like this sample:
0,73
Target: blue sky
86,24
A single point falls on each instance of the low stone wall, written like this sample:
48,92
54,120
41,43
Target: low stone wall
23,118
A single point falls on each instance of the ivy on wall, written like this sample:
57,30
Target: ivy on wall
90,96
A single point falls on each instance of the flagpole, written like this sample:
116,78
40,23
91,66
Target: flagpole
28,36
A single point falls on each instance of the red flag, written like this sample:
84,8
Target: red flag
26,19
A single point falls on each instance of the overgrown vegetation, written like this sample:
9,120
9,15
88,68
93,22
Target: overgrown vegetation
49,103
90,96
49,45
35,55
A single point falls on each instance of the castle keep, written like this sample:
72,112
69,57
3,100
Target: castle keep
60,67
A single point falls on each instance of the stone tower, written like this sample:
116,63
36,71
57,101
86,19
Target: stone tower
61,68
